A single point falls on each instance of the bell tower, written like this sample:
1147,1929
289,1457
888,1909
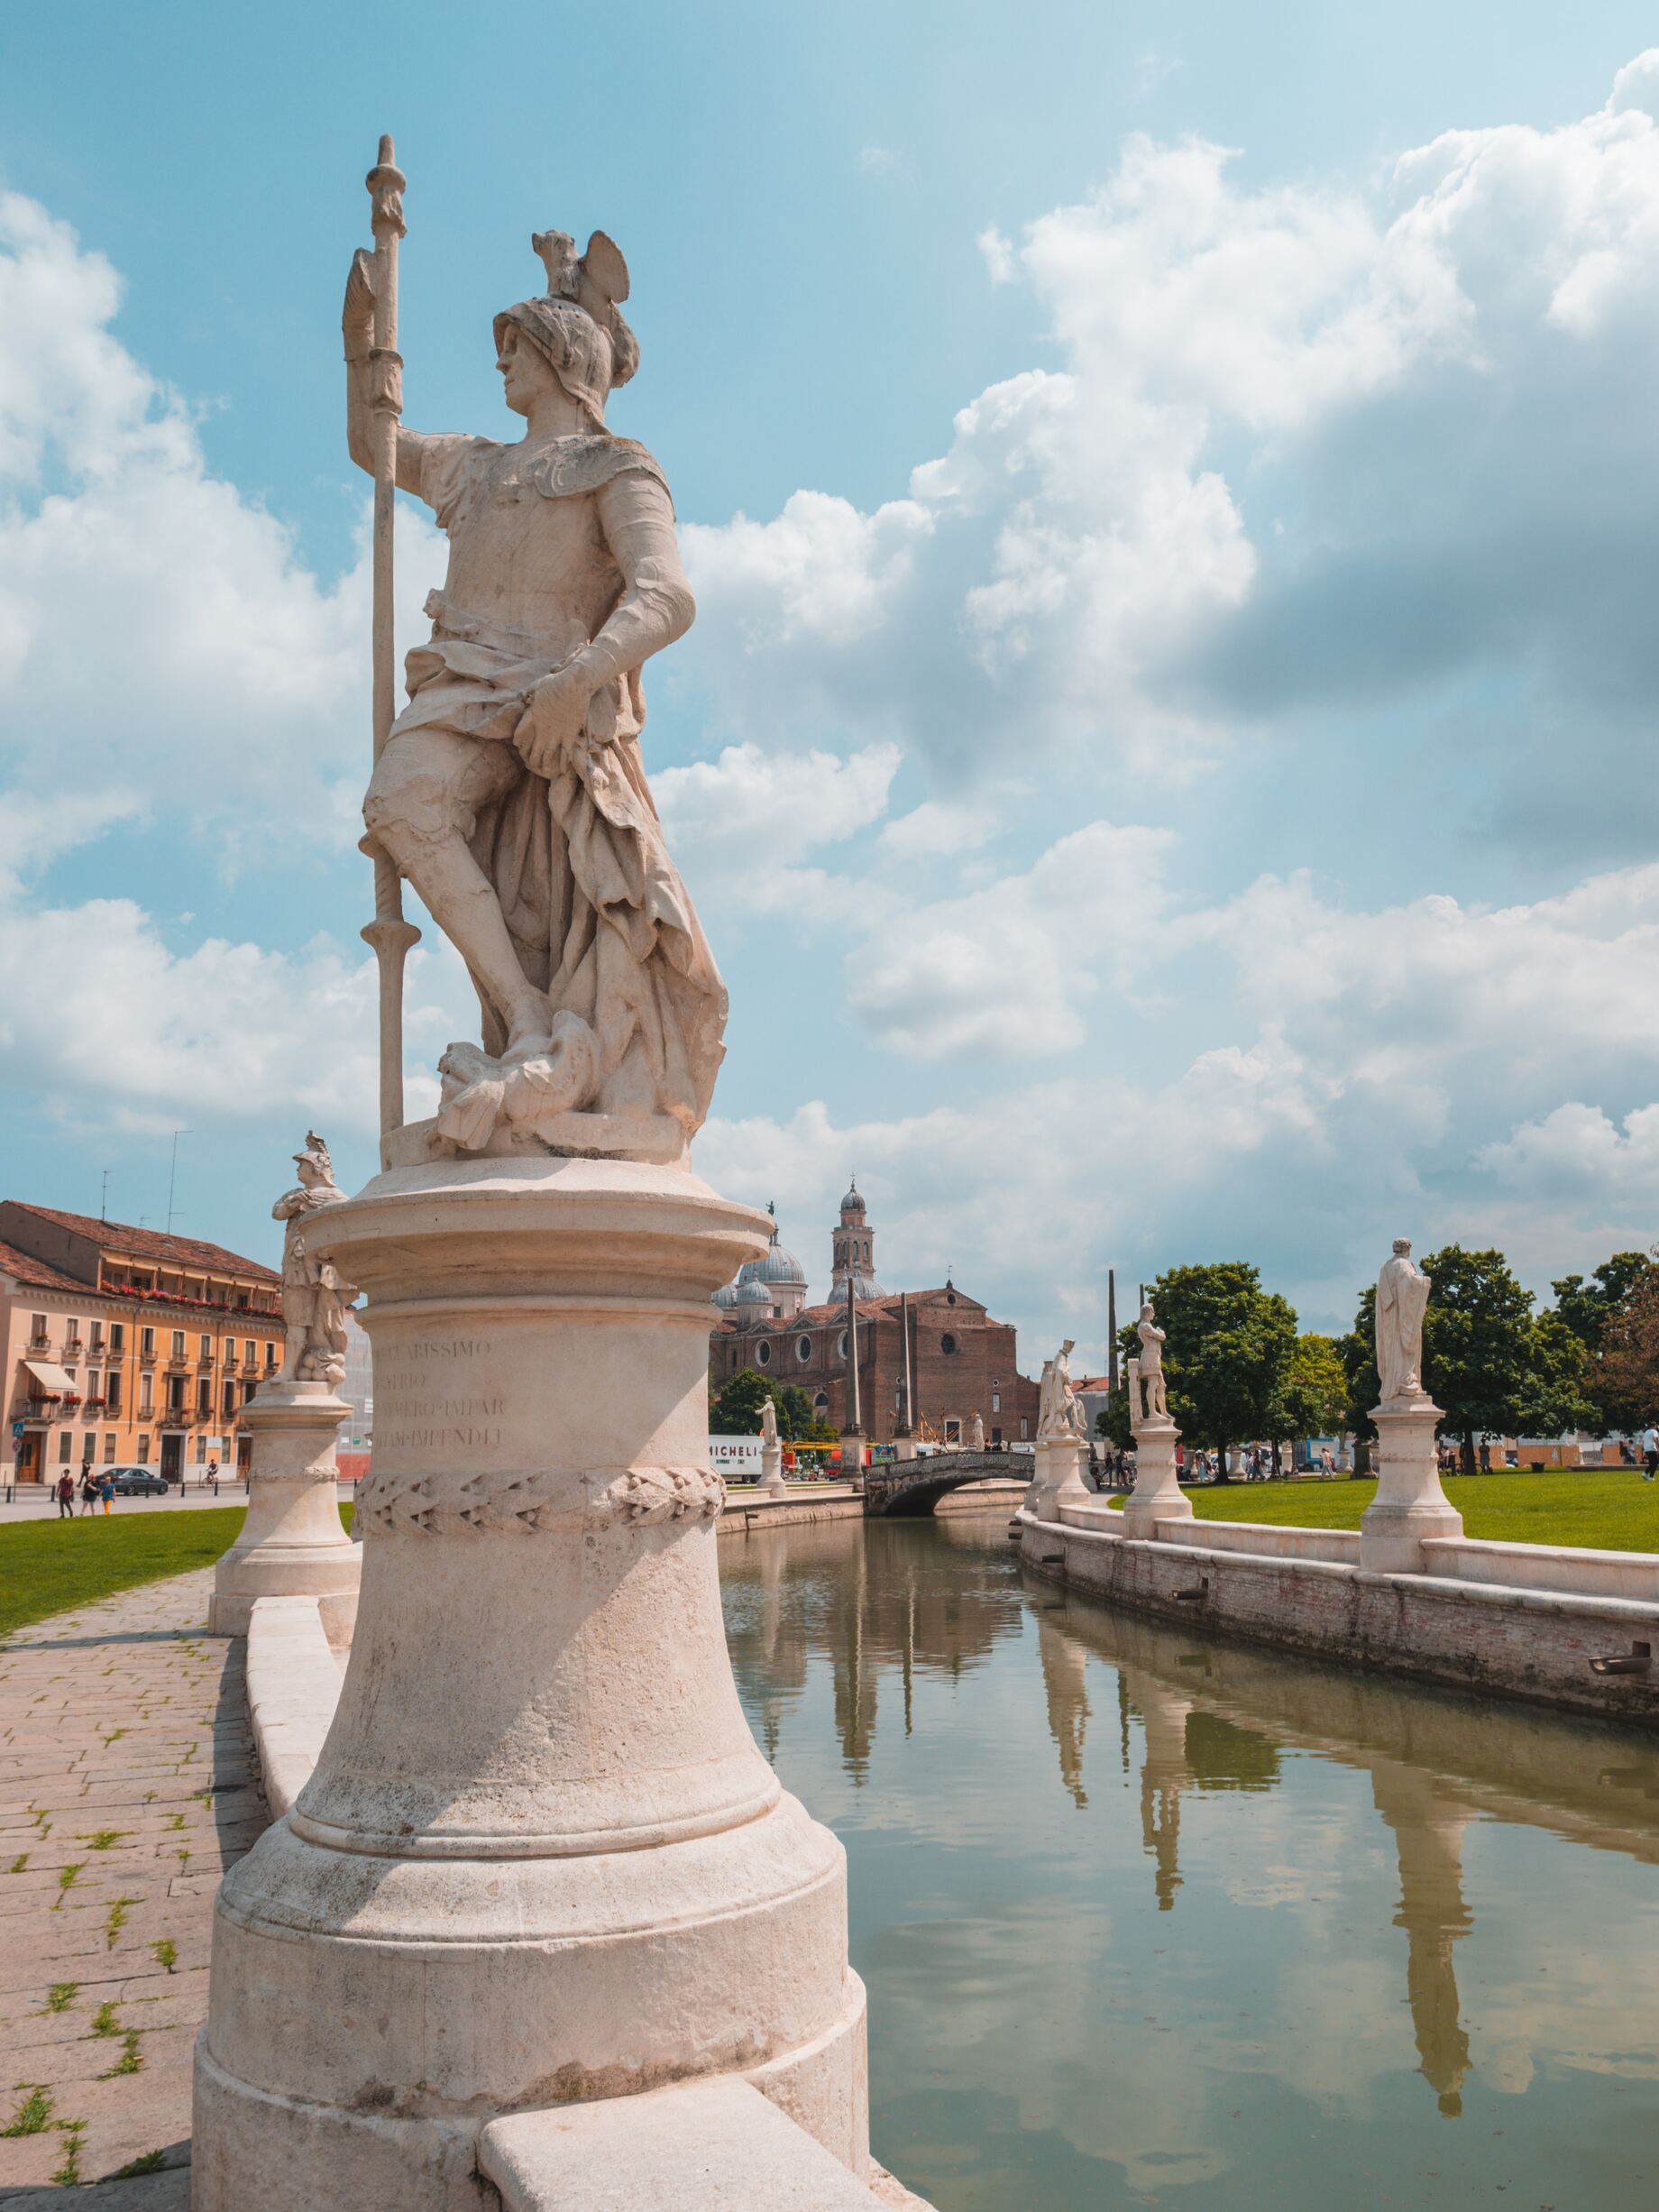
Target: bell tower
853,1250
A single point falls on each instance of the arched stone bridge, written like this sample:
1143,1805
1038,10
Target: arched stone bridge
900,1489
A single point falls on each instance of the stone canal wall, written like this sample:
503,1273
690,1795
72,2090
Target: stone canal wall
1483,1619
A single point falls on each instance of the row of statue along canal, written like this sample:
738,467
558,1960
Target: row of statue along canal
1147,1918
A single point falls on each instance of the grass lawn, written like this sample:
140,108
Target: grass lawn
1609,1508
47,1566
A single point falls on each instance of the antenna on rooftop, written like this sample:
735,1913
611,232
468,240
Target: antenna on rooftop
172,1176
104,1199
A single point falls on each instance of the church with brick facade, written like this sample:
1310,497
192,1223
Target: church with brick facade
961,1361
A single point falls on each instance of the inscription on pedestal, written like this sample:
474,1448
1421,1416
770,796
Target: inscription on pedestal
426,1416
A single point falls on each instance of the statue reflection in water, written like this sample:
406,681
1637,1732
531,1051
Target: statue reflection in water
1194,1734
891,1606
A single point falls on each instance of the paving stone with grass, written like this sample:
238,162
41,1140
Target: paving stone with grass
126,1788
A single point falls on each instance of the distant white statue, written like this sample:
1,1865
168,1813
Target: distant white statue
976,1435
771,1453
314,1297
1402,1299
1059,1417
1147,1401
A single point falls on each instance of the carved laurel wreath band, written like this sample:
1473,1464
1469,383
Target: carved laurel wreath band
528,1504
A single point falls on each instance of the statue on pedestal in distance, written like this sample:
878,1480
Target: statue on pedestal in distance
1147,1401
1402,1299
511,791
1059,1417
314,1297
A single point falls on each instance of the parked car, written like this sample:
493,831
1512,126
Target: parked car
137,1481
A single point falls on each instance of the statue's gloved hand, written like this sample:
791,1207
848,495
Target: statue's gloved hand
357,315
556,719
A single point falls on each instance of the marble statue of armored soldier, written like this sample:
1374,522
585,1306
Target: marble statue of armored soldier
314,1297
511,791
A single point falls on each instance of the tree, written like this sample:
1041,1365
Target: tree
736,1411
1229,1352
1587,1307
1591,1309
1629,1363
1478,1344
1358,1353
1556,1400
1314,1399
1112,1422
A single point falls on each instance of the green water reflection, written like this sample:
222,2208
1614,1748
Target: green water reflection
1151,1920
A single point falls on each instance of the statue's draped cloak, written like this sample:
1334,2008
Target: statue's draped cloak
596,910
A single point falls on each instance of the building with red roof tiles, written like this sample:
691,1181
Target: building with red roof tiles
124,1347
961,1360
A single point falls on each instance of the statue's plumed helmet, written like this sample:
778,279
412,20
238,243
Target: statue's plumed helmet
315,1154
578,329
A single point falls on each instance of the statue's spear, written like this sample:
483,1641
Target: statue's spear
391,935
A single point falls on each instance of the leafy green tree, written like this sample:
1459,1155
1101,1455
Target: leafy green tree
1314,1399
1557,1398
1478,1344
1587,1306
1358,1353
736,1411
1591,1308
1112,1422
1628,1376
1229,1352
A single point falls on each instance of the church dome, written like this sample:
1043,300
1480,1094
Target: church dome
852,1203
726,1297
778,1266
751,1294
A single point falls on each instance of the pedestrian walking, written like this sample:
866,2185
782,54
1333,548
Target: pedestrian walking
88,1492
1650,1454
65,1494
106,1490
212,1476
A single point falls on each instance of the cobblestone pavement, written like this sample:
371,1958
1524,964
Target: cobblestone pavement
126,1788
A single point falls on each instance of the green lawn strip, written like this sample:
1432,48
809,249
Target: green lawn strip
48,1566
1606,1509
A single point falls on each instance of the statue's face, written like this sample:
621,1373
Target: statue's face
526,374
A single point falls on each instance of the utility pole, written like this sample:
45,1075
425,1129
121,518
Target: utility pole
907,1424
172,1175
853,1432
1110,1333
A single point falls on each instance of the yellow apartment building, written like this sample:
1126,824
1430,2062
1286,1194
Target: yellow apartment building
126,1347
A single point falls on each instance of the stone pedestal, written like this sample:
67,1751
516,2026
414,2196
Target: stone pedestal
1409,1504
1058,1479
852,1458
772,1484
904,1447
292,1545
1157,1494
541,1858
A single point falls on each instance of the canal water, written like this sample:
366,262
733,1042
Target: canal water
1149,1919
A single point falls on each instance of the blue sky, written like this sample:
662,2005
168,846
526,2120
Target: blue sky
1172,494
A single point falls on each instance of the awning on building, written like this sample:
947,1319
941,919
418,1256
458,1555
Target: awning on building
52,1380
